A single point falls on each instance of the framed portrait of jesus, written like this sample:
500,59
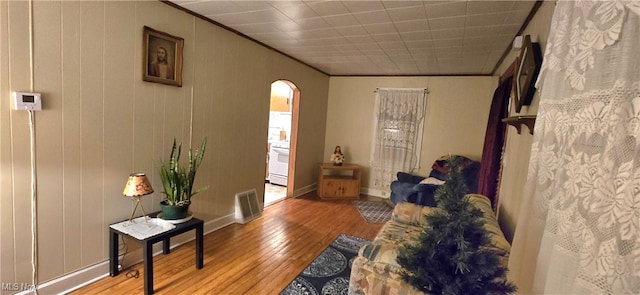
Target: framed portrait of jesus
162,57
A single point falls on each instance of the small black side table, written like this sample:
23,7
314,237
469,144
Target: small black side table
147,248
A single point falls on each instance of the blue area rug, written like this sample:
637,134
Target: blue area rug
374,211
329,272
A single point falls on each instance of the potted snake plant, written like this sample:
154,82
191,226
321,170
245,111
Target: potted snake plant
177,182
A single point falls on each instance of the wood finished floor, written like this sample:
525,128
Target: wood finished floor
260,257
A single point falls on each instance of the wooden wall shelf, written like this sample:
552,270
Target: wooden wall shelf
518,121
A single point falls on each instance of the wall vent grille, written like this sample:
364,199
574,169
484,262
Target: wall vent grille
247,206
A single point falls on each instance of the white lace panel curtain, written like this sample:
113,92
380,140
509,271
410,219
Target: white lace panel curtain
397,132
578,229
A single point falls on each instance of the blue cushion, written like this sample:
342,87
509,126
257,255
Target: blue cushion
406,177
402,192
426,194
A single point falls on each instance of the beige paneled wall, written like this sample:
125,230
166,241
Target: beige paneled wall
456,117
101,122
518,146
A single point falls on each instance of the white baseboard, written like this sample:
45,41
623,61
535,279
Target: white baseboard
375,192
364,190
305,190
85,276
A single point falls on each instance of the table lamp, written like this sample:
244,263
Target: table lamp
137,186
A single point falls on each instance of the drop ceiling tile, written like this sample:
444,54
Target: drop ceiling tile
337,42
326,8
398,51
423,56
373,17
251,17
491,19
292,44
352,31
393,37
481,31
397,4
323,33
311,42
450,52
312,23
341,20
277,3
271,36
341,35
255,28
407,67
315,34
375,29
367,46
476,58
474,48
418,44
416,36
402,58
285,26
386,46
488,7
447,34
412,26
480,41
211,8
448,9
296,11
447,23
523,5
429,69
363,6
348,50
252,5
389,67
378,58
407,14
358,58
362,39
369,52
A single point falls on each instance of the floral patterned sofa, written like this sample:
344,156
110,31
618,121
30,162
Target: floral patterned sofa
375,270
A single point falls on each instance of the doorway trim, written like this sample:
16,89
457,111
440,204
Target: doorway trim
293,139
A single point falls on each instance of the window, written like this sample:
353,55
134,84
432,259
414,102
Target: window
397,140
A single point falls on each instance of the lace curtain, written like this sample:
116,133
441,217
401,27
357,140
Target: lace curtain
398,132
578,230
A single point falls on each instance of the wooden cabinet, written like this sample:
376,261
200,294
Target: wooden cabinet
339,182
280,103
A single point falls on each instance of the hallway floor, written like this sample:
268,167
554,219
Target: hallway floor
273,193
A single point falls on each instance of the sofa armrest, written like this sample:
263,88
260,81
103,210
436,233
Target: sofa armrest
410,213
499,243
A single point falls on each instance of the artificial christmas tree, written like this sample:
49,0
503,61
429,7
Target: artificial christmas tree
453,254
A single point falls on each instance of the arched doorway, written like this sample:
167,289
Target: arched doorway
281,141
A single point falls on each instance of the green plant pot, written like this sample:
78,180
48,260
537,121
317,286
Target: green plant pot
173,212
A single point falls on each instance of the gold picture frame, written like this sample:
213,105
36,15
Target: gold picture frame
162,57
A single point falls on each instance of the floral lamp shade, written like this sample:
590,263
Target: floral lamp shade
137,185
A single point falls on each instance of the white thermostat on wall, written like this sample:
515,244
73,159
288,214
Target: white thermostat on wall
27,101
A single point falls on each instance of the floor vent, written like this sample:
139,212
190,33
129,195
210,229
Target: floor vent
247,206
